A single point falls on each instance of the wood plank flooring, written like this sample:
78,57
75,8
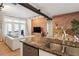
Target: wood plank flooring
6,51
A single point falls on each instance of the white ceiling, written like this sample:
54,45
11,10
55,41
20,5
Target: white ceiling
49,9
17,11
52,9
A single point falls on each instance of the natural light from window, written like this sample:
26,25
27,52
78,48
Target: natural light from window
14,27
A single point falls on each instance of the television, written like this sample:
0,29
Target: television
37,29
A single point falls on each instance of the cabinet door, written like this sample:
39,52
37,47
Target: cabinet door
30,51
44,53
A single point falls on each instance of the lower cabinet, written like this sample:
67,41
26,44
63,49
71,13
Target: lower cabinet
30,51
33,51
44,53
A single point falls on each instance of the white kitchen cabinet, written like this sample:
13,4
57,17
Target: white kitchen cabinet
44,53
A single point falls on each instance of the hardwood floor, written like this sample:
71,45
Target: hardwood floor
6,51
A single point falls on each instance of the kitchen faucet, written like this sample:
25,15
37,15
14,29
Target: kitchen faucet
63,39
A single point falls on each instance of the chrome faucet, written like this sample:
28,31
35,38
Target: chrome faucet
64,39
75,40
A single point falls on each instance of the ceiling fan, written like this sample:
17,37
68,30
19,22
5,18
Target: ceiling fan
1,6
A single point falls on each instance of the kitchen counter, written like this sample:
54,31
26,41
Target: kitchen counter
50,45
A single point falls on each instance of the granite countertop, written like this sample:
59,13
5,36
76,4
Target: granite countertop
43,44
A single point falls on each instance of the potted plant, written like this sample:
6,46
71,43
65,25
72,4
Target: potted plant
75,27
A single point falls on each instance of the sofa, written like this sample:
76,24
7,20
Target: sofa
12,43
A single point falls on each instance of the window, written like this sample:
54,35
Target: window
14,27
9,29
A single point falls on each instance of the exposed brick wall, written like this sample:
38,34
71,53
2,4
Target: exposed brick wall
40,22
65,19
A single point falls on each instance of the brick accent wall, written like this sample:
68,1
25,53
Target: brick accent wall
40,22
65,19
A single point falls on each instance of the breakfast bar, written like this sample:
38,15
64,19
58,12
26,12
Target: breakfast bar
49,46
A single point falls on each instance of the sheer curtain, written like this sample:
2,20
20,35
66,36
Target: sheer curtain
13,25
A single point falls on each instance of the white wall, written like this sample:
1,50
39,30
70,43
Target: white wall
20,12
1,25
50,28
28,26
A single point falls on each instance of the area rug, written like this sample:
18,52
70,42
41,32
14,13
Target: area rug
3,54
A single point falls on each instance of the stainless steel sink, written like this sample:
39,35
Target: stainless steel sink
56,47
72,51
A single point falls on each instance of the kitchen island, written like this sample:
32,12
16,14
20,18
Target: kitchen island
48,46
